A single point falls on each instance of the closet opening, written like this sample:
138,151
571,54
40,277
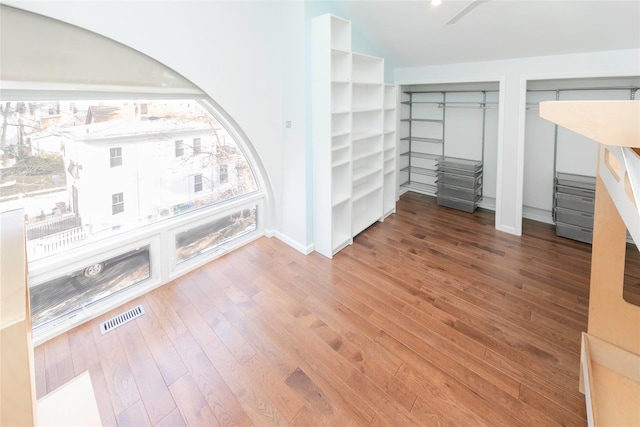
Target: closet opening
448,143
560,165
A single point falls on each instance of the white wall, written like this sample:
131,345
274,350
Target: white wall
248,56
513,76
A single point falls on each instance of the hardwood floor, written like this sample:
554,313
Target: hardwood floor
430,318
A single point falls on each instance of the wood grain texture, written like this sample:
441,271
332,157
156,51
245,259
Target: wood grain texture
430,318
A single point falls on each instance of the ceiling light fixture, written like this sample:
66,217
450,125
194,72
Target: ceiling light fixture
436,2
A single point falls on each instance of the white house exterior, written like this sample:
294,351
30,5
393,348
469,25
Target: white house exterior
125,173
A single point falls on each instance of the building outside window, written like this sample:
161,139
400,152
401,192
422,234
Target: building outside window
197,146
197,183
117,203
115,156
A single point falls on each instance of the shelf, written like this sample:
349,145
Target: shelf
340,66
420,102
365,187
365,84
421,188
359,155
422,120
389,166
340,97
389,154
422,155
340,142
340,240
367,69
366,109
339,33
340,124
340,51
611,378
340,162
339,134
422,139
365,173
364,135
420,171
339,199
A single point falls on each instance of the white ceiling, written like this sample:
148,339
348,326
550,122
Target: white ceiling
413,33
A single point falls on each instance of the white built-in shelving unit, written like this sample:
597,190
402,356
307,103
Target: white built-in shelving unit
354,151
390,187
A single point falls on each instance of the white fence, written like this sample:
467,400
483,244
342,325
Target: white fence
39,248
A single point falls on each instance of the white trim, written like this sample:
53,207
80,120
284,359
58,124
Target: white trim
535,214
500,157
306,250
487,203
522,111
507,229
19,90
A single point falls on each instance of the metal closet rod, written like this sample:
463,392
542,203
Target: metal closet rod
470,105
448,91
635,88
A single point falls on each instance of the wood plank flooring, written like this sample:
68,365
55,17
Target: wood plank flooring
430,318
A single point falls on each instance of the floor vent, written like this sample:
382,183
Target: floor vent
121,319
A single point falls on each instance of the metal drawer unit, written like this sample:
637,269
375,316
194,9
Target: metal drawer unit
574,200
459,183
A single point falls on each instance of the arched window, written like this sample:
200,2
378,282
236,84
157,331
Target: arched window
128,174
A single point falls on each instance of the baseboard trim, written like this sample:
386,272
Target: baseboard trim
535,214
306,250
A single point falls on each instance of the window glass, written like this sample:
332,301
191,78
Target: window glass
53,155
65,294
206,237
223,174
117,203
179,148
115,156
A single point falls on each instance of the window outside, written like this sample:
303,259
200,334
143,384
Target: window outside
223,174
115,157
117,203
179,148
197,183
52,163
